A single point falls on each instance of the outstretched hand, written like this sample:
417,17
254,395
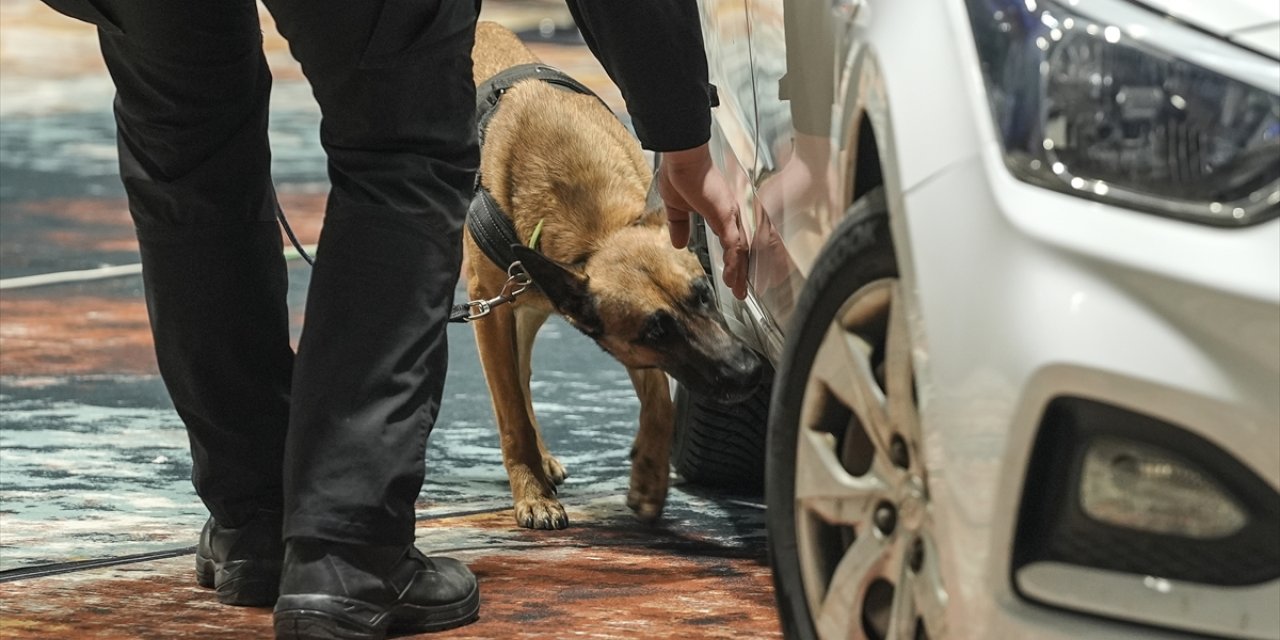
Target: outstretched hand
689,182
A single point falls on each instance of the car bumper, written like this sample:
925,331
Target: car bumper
1022,295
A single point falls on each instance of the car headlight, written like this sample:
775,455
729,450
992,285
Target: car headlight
1131,110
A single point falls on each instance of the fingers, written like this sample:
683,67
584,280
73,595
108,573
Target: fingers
689,181
726,223
734,246
711,197
678,227
735,275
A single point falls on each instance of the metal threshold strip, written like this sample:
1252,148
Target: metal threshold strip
58,568
101,273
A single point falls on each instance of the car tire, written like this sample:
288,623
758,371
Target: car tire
849,527
719,445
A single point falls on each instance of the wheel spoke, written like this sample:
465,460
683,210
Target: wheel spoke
902,616
899,378
928,593
826,489
840,613
843,367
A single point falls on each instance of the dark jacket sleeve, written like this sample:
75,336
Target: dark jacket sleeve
652,49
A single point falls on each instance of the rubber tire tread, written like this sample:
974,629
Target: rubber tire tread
858,252
721,446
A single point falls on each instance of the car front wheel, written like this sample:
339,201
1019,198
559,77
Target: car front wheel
850,531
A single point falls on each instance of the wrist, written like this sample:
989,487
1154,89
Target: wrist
692,156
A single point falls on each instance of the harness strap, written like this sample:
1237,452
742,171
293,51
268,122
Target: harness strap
490,91
490,226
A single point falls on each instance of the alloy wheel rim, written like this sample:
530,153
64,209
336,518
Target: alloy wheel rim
865,541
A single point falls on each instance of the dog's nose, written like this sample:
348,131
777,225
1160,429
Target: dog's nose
743,370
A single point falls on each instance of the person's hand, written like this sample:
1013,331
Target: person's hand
689,182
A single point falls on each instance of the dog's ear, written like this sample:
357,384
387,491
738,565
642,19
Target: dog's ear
655,211
652,217
565,287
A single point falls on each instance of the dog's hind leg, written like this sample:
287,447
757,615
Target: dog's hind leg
528,321
651,453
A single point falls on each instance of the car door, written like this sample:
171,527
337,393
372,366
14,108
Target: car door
793,182
726,29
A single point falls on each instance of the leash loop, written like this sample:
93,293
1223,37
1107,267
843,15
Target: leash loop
517,279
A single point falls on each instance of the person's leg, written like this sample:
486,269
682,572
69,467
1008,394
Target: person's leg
393,80
191,113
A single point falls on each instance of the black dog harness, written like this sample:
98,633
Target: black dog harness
490,226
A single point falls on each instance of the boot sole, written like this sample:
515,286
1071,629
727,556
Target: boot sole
325,618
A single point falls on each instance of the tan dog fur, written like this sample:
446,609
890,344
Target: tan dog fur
563,158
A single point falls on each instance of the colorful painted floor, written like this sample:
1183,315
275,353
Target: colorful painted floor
698,575
97,515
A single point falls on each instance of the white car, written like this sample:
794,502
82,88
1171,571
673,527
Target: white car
1017,266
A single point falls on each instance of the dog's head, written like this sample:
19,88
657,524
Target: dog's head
650,305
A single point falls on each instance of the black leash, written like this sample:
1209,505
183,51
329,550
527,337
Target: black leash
288,230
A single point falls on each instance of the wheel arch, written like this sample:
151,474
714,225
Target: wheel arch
866,173
865,154
867,158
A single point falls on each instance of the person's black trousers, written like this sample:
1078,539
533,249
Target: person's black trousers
336,436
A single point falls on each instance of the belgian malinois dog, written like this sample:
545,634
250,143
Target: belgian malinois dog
560,160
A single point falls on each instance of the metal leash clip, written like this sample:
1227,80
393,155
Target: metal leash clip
517,283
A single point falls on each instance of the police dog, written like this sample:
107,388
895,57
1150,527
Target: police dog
605,263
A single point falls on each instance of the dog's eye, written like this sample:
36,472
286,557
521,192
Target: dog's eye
702,293
658,326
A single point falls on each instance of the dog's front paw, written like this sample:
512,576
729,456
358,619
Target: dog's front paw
554,470
541,513
648,493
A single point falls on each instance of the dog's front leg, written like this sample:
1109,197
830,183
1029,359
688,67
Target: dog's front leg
528,320
651,453
532,491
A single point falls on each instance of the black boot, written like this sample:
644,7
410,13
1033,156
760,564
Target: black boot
333,591
242,563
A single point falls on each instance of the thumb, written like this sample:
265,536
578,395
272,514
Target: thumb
678,227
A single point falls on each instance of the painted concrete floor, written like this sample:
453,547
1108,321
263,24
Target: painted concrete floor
97,515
